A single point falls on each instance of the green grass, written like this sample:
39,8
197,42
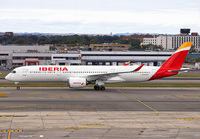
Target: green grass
3,75
107,85
34,85
153,85
181,75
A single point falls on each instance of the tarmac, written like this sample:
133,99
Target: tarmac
57,113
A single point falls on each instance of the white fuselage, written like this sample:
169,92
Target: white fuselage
63,73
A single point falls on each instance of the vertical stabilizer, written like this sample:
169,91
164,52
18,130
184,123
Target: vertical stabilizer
175,62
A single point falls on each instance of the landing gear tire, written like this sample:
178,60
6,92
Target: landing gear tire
18,88
17,83
103,88
97,87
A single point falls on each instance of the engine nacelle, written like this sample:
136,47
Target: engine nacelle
76,82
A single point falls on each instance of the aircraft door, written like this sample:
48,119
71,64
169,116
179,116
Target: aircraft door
112,70
58,73
25,71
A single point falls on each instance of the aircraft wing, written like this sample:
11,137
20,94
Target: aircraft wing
109,75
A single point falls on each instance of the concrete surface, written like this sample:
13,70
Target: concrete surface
114,113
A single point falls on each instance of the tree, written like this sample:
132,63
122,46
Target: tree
197,59
152,47
94,41
192,49
86,40
4,39
32,39
41,40
135,44
20,41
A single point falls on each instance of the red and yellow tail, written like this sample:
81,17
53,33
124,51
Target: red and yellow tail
174,63
127,63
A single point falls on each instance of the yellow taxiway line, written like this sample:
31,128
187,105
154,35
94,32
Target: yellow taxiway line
10,131
158,113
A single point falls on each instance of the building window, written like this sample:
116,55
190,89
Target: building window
3,54
17,58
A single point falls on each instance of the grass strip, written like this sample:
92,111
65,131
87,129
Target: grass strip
107,85
186,76
3,75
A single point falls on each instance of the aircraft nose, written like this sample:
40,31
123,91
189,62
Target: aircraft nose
7,77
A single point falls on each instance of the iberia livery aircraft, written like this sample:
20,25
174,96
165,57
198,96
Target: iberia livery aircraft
80,76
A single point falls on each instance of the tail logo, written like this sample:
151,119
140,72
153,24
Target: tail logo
175,62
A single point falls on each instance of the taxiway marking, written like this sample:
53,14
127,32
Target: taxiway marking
34,93
2,95
186,95
9,135
77,128
140,102
9,132
6,116
188,119
14,106
6,92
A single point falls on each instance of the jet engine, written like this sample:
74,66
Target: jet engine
76,82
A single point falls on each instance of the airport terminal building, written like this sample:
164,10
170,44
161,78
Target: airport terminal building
14,56
121,57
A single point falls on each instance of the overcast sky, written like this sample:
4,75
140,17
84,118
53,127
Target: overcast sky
99,16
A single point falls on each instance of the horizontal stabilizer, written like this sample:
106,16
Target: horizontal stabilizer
181,70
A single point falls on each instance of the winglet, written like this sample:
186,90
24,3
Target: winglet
139,67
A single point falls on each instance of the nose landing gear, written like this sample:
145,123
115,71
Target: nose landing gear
18,87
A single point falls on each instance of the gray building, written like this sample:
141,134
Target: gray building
69,58
121,57
175,41
14,56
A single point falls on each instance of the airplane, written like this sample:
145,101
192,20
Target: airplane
80,76
127,63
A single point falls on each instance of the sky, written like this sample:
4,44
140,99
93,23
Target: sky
99,16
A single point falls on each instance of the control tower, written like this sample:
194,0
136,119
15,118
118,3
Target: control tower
185,31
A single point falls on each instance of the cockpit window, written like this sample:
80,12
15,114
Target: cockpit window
13,71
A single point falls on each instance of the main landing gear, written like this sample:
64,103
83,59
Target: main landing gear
18,87
99,87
